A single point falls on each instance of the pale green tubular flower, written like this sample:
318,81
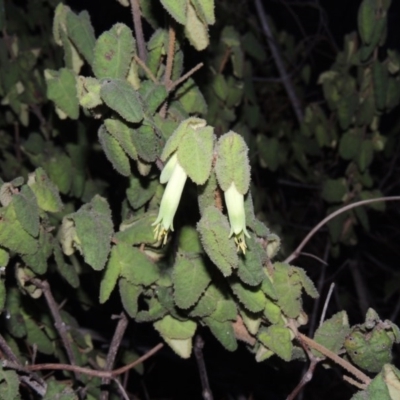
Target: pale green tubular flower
176,177
235,204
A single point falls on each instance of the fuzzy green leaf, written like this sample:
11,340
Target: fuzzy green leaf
146,142
110,276
135,266
277,339
114,152
38,260
250,269
153,96
113,52
121,97
60,391
177,9
123,134
334,190
61,88
365,154
171,328
27,210
205,10
252,298
208,302
81,33
226,310
223,331
138,230
67,271
232,163
9,387
195,29
12,234
191,98
190,277
60,172
214,232
332,333
129,296
36,336
94,229
195,154
47,196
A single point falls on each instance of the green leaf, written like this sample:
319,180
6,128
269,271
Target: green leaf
195,154
205,10
366,20
9,382
113,53
189,240
334,190
138,230
123,134
365,154
146,142
252,298
253,47
4,258
57,390
140,191
14,322
156,311
277,339
226,310
12,234
332,333
232,163
380,79
36,336
81,33
47,196
2,295
288,289
349,146
129,296
223,331
61,88
94,229
177,9
214,233
67,271
195,29
153,95
135,266
250,269
60,172
121,97
110,276
38,260
114,152
190,277
272,312
208,302
27,210
191,98
171,328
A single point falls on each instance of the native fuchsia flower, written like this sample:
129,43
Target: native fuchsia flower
235,204
176,177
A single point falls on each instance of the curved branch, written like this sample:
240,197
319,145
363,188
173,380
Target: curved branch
296,253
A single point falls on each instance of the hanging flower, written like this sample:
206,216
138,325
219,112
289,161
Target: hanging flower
176,177
235,205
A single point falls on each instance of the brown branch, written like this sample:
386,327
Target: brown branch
137,24
145,68
170,56
305,379
198,352
59,323
112,353
296,253
335,358
82,370
183,78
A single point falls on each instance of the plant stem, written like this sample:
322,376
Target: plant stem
137,23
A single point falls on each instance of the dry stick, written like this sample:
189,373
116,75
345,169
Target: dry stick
59,323
137,23
112,353
296,253
82,370
287,83
198,352
328,297
183,78
121,389
305,379
335,358
145,68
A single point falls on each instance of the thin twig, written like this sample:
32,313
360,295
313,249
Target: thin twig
287,82
296,253
328,297
145,68
198,352
82,370
305,379
137,23
183,78
121,389
59,323
112,353
335,358
170,55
